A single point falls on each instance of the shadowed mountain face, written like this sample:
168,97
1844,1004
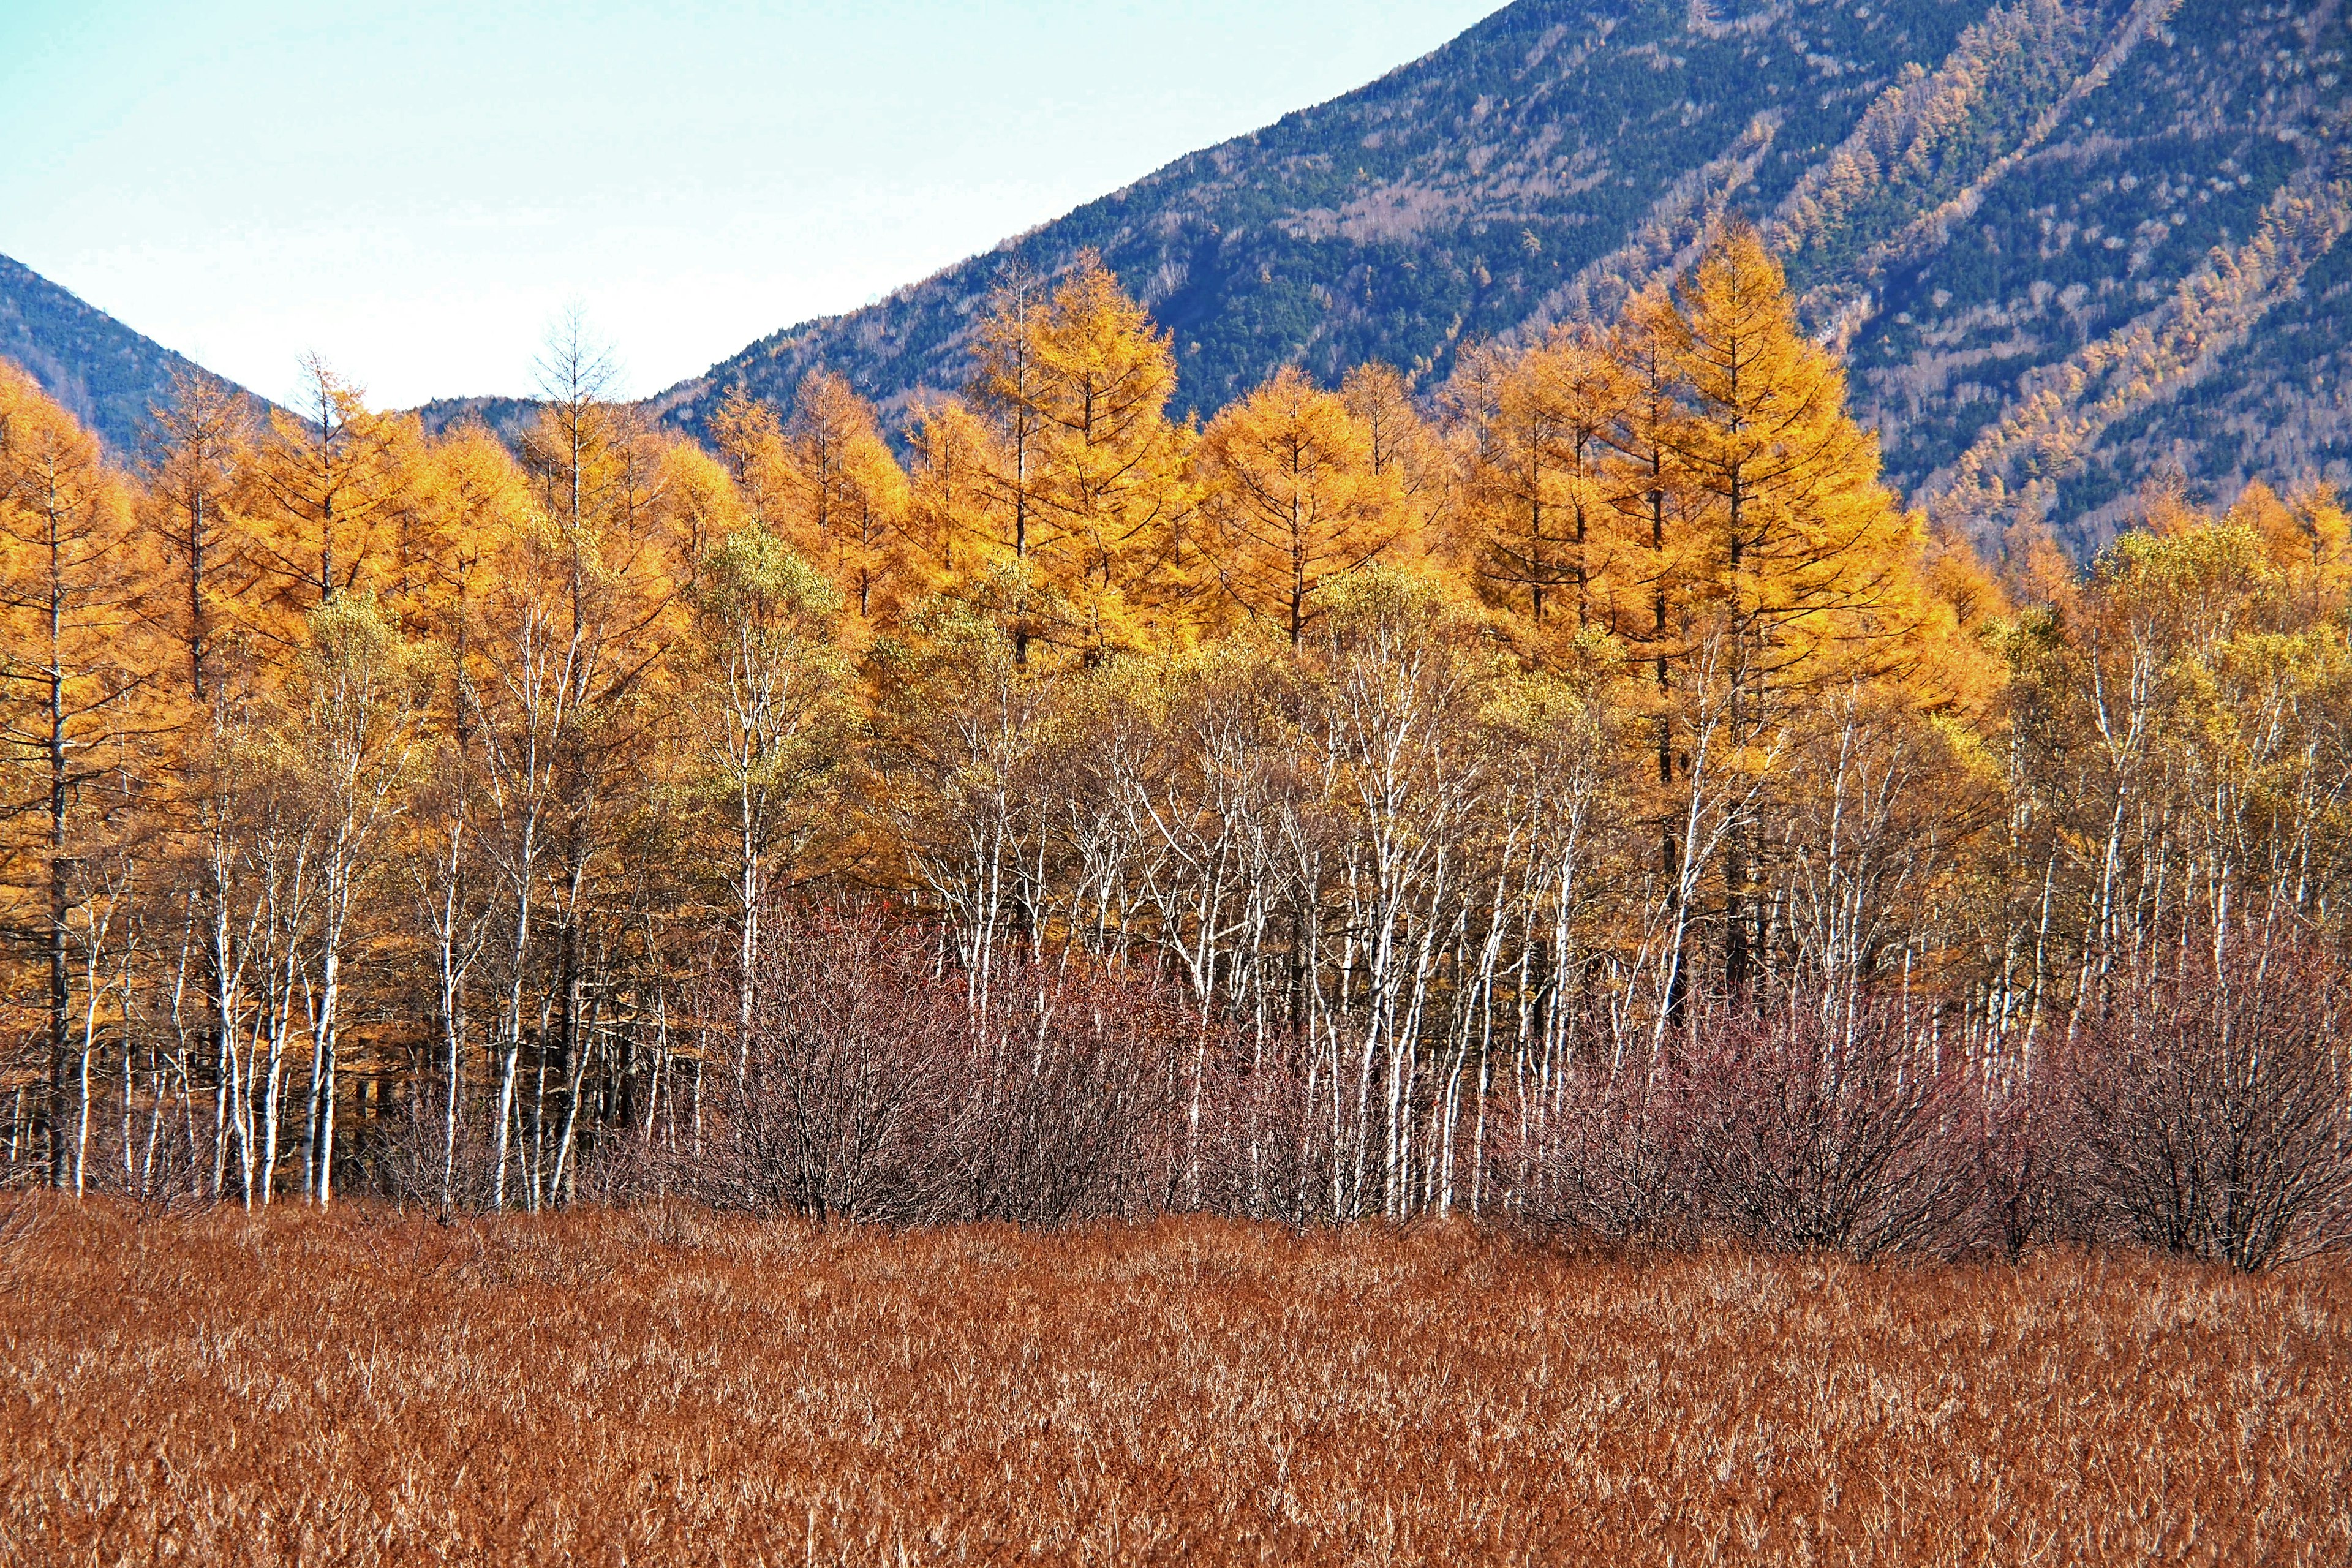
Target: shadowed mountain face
106,374
2066,243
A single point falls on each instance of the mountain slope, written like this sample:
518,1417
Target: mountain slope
507,418
106,374
2064,242
2153,285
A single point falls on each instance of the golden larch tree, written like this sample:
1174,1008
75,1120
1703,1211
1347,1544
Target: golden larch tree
325,484
1405,446
1793,552
1292,497
1537,485
201,437
1794,538
954,517
750,441
1091,475
78,687
847,498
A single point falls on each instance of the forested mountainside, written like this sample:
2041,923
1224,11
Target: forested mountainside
2069,247
508,418
2066,243
106,374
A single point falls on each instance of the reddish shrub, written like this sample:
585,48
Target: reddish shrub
2212,1104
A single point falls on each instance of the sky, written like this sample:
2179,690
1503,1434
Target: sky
418,190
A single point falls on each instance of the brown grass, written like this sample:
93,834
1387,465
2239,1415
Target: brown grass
662,1387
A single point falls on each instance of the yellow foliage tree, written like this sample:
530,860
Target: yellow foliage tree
1292,497
954,518
325,486
1794,538
846,497
1793,550
76,684
1089,469
2309,539
1403,446
1538,487
467,495
202,440
750,441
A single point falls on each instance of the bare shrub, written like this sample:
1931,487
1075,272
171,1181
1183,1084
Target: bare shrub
875,1083
841,1093
1814,1128
2213,1105
2015,1138
423,1162
2205,1112
1610,1158
1263,1149
1071,1099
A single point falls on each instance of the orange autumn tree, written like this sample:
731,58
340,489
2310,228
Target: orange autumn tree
1537,488
1405,448
2308,537
203,438
78,728
750,441
1794,539
827,486
847,498
324,485
1292,497
1088,468
955,519
1795,574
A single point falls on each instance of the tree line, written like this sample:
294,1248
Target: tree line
1356,804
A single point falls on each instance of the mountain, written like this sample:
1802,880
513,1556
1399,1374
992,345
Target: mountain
507,418
105,374
2064,244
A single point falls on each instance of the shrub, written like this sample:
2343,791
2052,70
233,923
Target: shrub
2211,1104
1825,1126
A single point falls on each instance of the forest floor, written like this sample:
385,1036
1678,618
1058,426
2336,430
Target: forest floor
662,1387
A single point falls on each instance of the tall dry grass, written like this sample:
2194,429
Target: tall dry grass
662,1386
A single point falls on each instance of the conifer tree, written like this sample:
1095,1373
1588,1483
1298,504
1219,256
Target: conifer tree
750,441
326,484
1404,447
845,495
1790,542
955,519
1009,390
1538,485
1292,498
1090,469
1794,539
201,438
78,682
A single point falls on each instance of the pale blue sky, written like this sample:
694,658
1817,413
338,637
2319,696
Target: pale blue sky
416,190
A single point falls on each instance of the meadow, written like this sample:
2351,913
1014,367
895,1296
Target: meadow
660,1384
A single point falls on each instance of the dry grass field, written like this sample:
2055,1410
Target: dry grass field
664,1387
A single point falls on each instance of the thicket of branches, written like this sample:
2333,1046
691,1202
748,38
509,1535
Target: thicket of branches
2208,1117
1581,795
